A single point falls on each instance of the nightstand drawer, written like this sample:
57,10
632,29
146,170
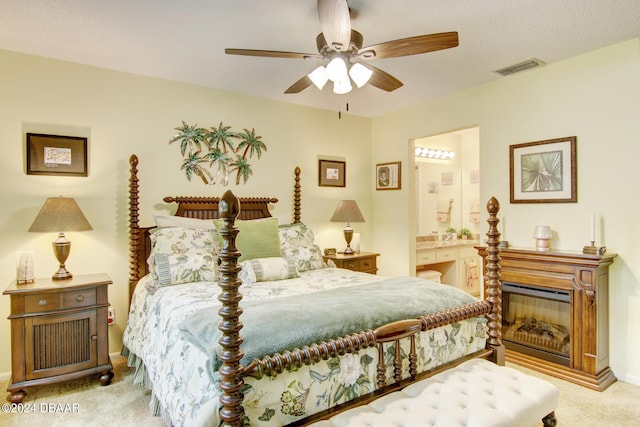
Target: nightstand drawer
367,264
81,298
57,301
446,255
41,302
350,264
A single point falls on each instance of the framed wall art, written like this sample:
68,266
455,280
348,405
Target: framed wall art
388,176
544,171
332,173
56,155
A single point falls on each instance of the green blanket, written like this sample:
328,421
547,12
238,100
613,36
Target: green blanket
289,322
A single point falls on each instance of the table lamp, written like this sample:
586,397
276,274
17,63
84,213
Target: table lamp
60,214
543,236
347,211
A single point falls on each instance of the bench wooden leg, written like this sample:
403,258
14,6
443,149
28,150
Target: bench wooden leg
550,420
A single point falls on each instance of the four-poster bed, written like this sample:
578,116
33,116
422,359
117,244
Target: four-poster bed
175,341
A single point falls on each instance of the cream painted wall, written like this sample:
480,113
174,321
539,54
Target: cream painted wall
123,114
594,96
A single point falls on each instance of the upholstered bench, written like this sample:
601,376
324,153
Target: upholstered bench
476,393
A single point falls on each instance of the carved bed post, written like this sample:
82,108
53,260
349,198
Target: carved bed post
493,283
232,412
297,198
134,271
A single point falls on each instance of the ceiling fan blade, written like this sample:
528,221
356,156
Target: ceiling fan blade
410,46
383,80
335,23
300,85
272,54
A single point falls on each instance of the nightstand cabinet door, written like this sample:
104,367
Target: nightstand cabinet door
60,344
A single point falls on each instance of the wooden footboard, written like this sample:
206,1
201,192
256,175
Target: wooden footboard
232,372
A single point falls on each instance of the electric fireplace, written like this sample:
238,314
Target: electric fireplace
537,321
555,313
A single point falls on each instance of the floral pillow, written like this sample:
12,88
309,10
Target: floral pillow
295,235
182,255
268,269
307,257
174,269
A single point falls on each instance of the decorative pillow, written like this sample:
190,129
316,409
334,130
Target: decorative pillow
256,239
276,268
183,221
295,235
180,255
307,257
174,269
246,274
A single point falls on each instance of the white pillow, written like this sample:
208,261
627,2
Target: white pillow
268,269
183,221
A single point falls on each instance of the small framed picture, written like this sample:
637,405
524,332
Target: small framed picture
388,176
544,171
332,173
56,155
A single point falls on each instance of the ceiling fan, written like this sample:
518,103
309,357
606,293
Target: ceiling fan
341,48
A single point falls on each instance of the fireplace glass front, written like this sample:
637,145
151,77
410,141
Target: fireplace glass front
537,321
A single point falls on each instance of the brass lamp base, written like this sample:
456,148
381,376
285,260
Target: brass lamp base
61,249
348,235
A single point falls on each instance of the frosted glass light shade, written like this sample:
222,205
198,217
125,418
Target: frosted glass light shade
360,74
337,70
319,77
341,87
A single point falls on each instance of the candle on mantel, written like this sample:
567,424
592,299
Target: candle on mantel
593,227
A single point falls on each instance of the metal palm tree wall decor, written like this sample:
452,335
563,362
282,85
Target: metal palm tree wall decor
216,153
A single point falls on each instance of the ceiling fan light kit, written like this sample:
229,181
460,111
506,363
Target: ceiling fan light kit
340,45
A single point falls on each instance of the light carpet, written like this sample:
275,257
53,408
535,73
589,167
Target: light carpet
87,403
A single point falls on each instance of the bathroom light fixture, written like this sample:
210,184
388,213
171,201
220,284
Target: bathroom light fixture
434,153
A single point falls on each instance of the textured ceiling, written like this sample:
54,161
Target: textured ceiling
185,40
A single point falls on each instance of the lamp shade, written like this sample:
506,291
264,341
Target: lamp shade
347,211
542,232
60,214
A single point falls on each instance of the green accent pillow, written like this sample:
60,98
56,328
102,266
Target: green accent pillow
257,238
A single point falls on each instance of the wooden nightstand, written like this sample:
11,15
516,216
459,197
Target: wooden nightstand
58,332
363,261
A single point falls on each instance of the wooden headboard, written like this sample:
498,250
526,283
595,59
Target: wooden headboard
191,207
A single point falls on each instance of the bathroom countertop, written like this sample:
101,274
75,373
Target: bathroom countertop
436,244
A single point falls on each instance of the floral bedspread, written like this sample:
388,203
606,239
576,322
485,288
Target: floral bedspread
184,383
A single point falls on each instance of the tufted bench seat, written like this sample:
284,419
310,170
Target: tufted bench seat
477,393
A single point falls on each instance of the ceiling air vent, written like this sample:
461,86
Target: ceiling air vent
521,66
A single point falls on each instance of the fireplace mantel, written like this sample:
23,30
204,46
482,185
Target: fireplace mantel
586,278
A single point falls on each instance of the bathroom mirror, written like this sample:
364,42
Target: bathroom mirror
448,185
